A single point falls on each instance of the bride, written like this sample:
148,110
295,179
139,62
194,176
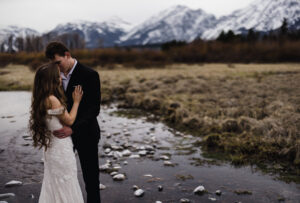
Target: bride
48,113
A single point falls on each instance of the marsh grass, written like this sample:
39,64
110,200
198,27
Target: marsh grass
16,77
249,111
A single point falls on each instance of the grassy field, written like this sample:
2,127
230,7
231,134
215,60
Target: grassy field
249,111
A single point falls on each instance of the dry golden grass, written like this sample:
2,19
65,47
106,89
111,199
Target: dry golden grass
251,109
16,77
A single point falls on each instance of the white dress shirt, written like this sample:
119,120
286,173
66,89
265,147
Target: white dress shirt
66,79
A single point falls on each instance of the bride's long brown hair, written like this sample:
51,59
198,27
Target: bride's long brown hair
46,83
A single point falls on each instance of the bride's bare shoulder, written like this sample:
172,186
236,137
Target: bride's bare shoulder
53,102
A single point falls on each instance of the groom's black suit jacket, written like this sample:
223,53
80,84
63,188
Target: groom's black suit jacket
85,128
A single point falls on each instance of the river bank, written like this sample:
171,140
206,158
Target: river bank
191,166
248,111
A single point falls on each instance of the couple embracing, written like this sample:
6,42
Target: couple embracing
65,105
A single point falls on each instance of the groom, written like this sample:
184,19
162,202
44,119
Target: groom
85,131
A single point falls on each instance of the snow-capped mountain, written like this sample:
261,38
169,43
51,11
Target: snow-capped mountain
95,34
176,23
261,15
8,36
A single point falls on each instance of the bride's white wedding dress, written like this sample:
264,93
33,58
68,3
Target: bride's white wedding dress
60,183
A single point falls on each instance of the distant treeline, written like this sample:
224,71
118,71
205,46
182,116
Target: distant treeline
282,45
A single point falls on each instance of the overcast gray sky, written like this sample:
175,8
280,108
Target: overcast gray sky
43,15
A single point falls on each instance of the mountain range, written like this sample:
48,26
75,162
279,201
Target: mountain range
176,23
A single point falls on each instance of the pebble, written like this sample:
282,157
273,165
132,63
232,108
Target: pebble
126,152
158,202
160,188
6,195
143,153
139,193
184,200
212,199
149,148
164,157
168,163
135,187
148,175
115,147
199,190
13,183
104,167
218,192
106,145
107,150
116,168
119,177
125,162
117,155
153,139
102,187
135,156
142,148
113,173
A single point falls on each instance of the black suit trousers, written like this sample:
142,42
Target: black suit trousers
88,156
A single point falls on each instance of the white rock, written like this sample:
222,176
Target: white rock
184,200
135,187
6,195
153,139
143,153
126,152
148,175
199,190
13,183
139,193
212,199
110,154
119,177
118,155
218,192
158,202
107,150
125,162
115,147
117,167
142,148
102,187
135,156
113,173
164,157
104,167
149,148
168,163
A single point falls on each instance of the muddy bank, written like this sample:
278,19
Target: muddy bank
250,112
190,166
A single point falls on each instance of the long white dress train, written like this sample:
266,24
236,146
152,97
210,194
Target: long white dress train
60,183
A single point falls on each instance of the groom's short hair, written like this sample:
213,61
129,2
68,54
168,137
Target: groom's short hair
55,48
